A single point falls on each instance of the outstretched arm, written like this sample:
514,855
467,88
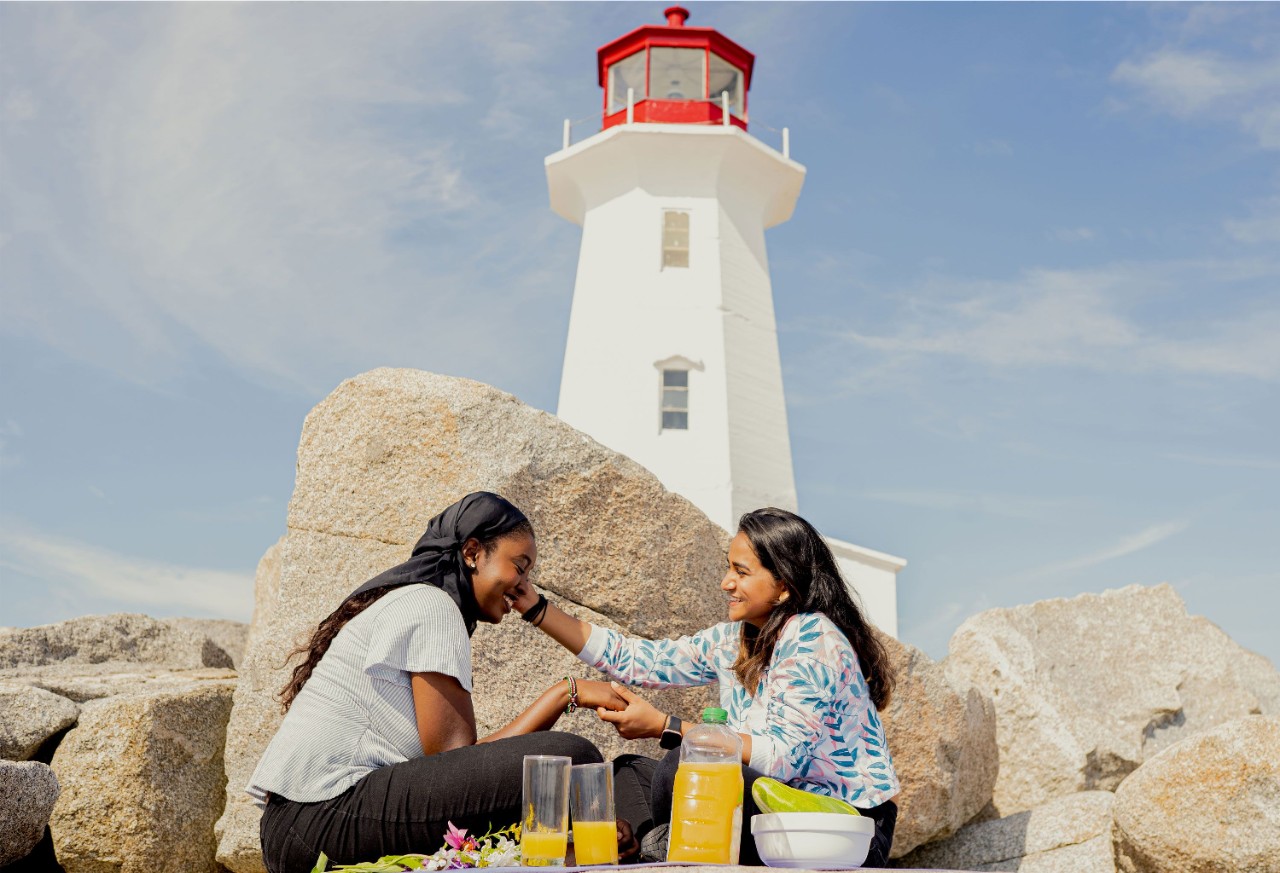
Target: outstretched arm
446,718
570,632
679,663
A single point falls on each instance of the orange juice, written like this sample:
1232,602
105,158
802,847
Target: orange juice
706,813
543,848
595,842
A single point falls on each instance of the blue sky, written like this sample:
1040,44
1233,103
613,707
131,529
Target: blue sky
1028,303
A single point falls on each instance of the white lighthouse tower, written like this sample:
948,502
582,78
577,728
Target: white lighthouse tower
672,353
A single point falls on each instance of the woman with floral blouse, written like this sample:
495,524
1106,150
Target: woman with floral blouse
800,672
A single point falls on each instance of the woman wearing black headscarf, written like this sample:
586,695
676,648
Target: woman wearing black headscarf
378,750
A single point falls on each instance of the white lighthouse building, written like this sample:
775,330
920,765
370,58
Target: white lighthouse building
672,353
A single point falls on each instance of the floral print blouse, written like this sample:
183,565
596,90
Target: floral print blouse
812,723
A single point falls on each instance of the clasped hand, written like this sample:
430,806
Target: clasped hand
637,719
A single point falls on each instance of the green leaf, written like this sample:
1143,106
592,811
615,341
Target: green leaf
321,863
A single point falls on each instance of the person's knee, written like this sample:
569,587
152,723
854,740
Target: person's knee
580,749
626,760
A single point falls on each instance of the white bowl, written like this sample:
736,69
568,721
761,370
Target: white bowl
812,840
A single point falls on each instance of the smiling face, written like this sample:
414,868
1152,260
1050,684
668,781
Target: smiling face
753,591
499,574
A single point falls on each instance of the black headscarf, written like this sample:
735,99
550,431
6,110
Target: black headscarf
437,558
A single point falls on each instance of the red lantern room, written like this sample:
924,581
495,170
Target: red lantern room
675,74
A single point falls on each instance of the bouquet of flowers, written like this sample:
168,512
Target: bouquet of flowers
500,848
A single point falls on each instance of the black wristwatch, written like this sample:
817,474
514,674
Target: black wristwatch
671,735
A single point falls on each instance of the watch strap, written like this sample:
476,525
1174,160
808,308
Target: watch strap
671,734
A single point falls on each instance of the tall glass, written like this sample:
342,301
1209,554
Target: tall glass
595,831
544,827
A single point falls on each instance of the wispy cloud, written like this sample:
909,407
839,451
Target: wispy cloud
1261,226
1126,545
1078,318
1073,234
123,581
219,179
1201,82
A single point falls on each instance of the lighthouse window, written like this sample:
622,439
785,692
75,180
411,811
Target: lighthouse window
675,239
676,73
626,73
675,399
725,77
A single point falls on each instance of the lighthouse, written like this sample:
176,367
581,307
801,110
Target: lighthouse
672,351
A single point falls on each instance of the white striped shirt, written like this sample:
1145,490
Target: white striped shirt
355,714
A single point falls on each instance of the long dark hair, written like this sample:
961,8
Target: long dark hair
313,650
799,558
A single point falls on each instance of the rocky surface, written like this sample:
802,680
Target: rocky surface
943,744
389,449
28,791
143,781
97,639
28,717
82,682
1210,803
229,636
1071,834
1087,689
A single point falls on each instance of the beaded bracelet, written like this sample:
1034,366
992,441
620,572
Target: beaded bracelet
573,696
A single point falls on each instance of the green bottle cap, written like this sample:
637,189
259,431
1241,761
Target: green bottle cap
714,715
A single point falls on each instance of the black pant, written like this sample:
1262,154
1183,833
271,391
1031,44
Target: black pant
406,807
643,787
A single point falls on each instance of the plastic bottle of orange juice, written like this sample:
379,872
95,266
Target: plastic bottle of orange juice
706,808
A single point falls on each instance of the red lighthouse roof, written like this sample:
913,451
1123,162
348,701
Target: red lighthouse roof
676,74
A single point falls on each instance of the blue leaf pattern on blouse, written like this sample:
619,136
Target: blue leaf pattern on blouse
811,721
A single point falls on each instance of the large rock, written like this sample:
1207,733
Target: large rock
96,639
1210,804
266,590
82,682
230,636
1071,834
28,717
28,790
943,744
1087,689
143,781
389,449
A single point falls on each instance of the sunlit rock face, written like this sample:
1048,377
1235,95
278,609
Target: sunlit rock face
142,779
1209,803
29,716
1071,834
1086,689
28,790
943,743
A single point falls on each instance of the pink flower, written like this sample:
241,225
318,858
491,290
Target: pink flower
456,838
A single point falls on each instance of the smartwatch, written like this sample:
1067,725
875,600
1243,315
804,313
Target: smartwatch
671,735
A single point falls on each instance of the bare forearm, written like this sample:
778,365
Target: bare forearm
541,715
566,630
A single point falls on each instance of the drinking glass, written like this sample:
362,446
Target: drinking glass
595,833
544,827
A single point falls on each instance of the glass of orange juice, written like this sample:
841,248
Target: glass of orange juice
544,826
595,832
